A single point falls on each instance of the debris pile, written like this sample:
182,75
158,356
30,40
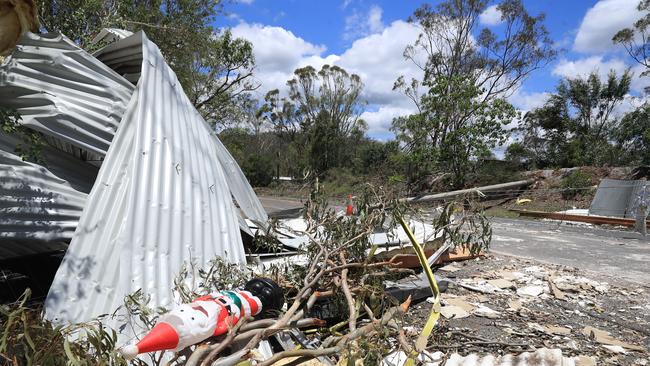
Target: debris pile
504,305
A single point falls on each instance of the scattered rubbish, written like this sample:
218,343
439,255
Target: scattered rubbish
585,361
521,201
450,268
605,338
514,305
541,357
453,312
501,283
552,329
555,290
614,349
486,312
479,285
532,291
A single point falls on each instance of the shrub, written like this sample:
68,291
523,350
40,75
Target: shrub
259,170
573,183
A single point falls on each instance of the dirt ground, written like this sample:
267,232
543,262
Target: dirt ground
519,305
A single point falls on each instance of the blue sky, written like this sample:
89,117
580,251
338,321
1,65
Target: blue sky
367,37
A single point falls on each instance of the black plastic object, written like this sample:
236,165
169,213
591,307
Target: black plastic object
269,293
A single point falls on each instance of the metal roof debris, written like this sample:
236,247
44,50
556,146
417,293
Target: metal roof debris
64,92
616,198
36,203
161,199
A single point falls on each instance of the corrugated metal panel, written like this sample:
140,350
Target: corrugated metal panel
125,57
540,357
39,206
64,92
161,199
34,203
616,198
111,35
239,187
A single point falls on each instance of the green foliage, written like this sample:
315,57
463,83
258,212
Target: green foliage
633,136
576,124
27,339
214,68
636,39
30,149
320,116
259,169
574,183
463,111
254,152
434,142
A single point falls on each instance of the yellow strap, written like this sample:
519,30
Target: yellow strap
421,342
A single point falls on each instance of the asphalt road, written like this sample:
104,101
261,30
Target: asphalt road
612,253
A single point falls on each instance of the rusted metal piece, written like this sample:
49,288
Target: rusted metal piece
598,220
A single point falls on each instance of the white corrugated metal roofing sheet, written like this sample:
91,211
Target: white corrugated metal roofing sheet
77,100
540,357
63,91
161,199
35,203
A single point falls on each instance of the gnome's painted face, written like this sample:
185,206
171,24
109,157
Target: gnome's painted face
193,322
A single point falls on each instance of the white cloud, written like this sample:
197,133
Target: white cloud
363,24
602,21
491,16
379,121
376,58
525,101
247,2
277,52
583,67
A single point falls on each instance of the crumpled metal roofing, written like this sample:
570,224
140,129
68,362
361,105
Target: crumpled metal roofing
31,196
125,57
77,102
111,35
63,91
160,199
35,202
540,357
617,198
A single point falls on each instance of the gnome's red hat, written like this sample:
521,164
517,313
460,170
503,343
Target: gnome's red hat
162,337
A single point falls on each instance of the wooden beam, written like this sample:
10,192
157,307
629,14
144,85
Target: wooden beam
598,220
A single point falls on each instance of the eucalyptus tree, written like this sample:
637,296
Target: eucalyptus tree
467,72
319,114
579,123
636,39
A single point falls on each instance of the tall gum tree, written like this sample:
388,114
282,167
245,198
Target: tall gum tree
468,71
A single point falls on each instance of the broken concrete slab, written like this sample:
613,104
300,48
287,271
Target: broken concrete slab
605,338
532,291
501,283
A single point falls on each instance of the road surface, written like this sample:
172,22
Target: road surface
609,252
